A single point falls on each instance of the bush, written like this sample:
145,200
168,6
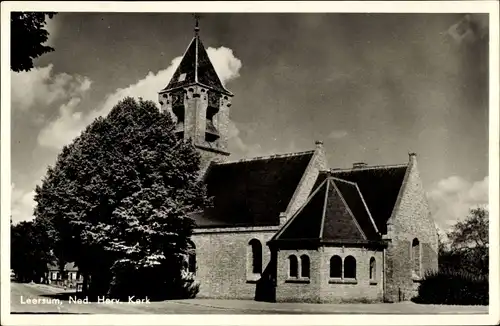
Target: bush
453,288
155,283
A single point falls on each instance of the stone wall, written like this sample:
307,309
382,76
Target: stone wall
411,219
223,261
318,163
290,289
320,287
334,290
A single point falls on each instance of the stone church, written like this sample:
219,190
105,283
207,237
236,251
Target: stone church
290,227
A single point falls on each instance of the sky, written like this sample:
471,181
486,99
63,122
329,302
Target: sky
372,87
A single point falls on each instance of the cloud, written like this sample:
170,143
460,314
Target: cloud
72,119
337,134
451,198
225,63
23,204
40,87
238,147
67,127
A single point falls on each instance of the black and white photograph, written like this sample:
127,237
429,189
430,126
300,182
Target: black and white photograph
197,159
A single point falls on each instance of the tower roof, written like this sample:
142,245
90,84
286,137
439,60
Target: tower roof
196,68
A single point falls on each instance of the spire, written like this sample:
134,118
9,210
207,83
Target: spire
197,23
196,67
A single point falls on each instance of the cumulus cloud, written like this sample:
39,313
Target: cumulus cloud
451,198
72,120
225,63
23,204
67,127
40,87
337,134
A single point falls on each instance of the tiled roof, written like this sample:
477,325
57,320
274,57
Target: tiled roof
195,67
69,267
379,186
252,192
335,211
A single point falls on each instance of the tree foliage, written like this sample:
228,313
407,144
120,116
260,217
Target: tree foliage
30,251
468,244
117,202
27,38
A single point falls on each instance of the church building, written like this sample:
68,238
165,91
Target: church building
291,227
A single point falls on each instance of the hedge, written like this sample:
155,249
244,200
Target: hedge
453,288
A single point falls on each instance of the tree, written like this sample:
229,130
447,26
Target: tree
27,38
470,238
117,202
30,251
468,244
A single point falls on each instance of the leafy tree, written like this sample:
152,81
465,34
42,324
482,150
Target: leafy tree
27,38
30,251
470,238
468,244
117,202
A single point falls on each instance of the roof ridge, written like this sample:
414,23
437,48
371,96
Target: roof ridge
360,196
366,208
355,220
297,213
341,180
267,157
372,167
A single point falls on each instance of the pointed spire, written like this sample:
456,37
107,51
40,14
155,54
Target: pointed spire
196,67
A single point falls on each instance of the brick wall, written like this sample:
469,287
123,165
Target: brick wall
300,290
364,289
224,264
195,110
319,287
411,219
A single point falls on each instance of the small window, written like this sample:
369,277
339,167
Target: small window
350,267
192,262
182,77
415,256
293,266
305,266
373,268
256,248
335,267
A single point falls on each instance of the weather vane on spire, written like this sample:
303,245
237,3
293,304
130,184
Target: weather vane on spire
197,23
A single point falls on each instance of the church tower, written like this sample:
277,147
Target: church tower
198,103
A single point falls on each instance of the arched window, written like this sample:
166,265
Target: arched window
373,268
335,267
293,266
415,256
305,266
192,262
349,267
256,248
191,258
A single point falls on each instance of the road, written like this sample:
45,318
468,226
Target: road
39,298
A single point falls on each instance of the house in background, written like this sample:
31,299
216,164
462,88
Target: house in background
70,276
288,227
